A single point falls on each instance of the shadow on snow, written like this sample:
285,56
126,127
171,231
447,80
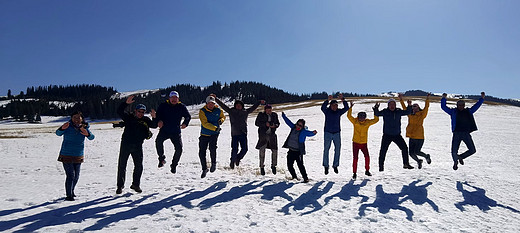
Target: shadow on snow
477,198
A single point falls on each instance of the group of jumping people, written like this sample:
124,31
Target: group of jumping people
172,116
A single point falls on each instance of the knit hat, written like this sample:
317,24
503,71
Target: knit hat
210,99
140,107
174,93
391,100
268,106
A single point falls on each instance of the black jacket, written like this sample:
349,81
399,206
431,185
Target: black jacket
267,138
136,130
171,116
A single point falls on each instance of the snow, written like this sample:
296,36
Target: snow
482,196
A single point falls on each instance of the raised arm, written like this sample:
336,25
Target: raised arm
221,104
287,121
479,103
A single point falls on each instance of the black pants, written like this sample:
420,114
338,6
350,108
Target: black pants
177,144
126,150
204,142
415,148
235,142
459,137
298,157
385,143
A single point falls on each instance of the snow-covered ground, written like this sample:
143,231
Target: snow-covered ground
482,196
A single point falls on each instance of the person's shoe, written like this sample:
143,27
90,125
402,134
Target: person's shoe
273,169
367,173
119,190
136,188
69,198
305,180
354,176
335,170
262,171
237,162
419,163
173,169
213,167
381,168
161,163
428,159
455,167
407,166
326,170
461,161
204,172
232,164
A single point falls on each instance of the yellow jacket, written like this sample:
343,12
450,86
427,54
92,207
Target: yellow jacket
361,128
415,129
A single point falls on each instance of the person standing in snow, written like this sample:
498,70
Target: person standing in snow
137,129
392,132
360,138
267,123
71,155
295,142
169,117
462,124
211,117
332,130
238,119
415,130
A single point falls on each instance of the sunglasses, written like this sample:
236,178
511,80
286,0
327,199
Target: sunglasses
299,125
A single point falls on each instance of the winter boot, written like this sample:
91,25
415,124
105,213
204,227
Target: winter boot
354,176
335,170
419,163
119,190
136,188
213,167
273,169
407,166
367,173
326,170
262,171
204,172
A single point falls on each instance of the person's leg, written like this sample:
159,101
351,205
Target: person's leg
455,145
69,177
291,157
124,153
203,146
364,149
137,157
327,140
213,150
355,153
159,146
177,144
336,139
261,155
274,160
413,149
77,168
468,140
242,140
299,162
418,147
385,143
234,148
399,140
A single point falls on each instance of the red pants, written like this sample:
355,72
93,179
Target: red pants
355,149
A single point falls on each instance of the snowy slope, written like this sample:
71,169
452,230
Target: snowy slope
482,196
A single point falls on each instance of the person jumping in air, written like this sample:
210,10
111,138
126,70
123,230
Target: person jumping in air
462,124
360,138
415,130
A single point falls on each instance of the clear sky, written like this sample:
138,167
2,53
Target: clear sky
301,46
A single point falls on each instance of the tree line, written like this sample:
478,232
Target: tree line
99,102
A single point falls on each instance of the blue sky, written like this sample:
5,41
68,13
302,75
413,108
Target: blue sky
462,47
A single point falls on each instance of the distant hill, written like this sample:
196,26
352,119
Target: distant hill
98,102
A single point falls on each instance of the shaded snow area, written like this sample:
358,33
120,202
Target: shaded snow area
481,196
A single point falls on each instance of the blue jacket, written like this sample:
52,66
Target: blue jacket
332,118
304,133
73,140
210,121
171,115
464,117
392,119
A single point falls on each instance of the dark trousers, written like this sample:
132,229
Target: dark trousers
137,156
298,157
72,173
356,147
459,137
237,140
415,148
177,144
204,142
385,143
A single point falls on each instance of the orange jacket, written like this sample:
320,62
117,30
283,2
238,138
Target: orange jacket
415,129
